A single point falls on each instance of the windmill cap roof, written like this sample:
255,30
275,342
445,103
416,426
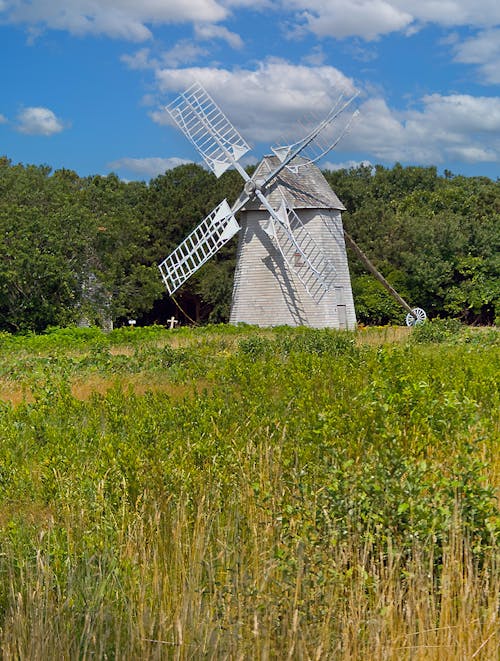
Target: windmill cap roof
306,188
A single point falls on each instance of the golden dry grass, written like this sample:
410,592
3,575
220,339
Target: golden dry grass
84,388
163,549
197,589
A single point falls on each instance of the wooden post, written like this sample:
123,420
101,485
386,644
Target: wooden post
352,244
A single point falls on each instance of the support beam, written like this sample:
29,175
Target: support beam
357,250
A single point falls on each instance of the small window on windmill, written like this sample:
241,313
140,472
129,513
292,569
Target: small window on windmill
298,259
339,295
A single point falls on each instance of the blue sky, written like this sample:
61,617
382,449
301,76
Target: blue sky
84,83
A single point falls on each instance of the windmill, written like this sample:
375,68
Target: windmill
291,265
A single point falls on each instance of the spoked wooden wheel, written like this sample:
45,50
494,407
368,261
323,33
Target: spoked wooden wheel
419,317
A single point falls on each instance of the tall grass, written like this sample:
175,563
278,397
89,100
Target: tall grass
301,497
191,581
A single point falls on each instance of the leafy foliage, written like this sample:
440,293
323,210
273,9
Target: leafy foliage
228,481
436,238
86,248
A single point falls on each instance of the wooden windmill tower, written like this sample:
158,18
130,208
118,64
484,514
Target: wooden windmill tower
292,264
274,283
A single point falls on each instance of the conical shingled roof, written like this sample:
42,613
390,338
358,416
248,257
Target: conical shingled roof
306,189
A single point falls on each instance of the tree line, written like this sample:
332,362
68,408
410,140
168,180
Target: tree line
86,248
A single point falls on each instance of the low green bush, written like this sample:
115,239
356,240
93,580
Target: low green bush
437,331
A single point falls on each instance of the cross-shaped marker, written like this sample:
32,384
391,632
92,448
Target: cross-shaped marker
172,322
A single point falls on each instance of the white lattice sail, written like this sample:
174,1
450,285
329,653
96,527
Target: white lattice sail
199,246
208,129
301,252
322,139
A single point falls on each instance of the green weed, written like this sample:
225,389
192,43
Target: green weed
304,496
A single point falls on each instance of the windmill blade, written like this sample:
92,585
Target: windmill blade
319,147
199,246
300,252
313,142
208,129
283,151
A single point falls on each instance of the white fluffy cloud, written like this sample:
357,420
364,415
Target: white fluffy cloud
478,13
128,19
346,165
185,51
38,121
133,20
209,31
482,50
3,119
264,103
454,127
371,19
149,167
141,59
270,101
345,18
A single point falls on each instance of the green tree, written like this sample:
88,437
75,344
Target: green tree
43,237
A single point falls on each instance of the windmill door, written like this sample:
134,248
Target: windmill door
341,307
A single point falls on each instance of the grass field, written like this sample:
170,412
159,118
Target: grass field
235,493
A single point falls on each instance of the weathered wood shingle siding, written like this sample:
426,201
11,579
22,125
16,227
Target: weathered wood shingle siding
267,292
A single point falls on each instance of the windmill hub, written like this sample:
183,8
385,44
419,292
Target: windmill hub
251,187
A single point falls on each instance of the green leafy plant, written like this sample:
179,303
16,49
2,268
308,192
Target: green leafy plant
234,492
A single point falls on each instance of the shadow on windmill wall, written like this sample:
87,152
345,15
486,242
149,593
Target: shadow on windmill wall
279,272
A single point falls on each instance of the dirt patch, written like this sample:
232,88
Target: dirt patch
374,336
15,394
84,389
121,351
32,513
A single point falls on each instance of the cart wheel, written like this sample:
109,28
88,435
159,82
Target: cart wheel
419,318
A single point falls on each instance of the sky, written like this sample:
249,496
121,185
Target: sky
84,83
